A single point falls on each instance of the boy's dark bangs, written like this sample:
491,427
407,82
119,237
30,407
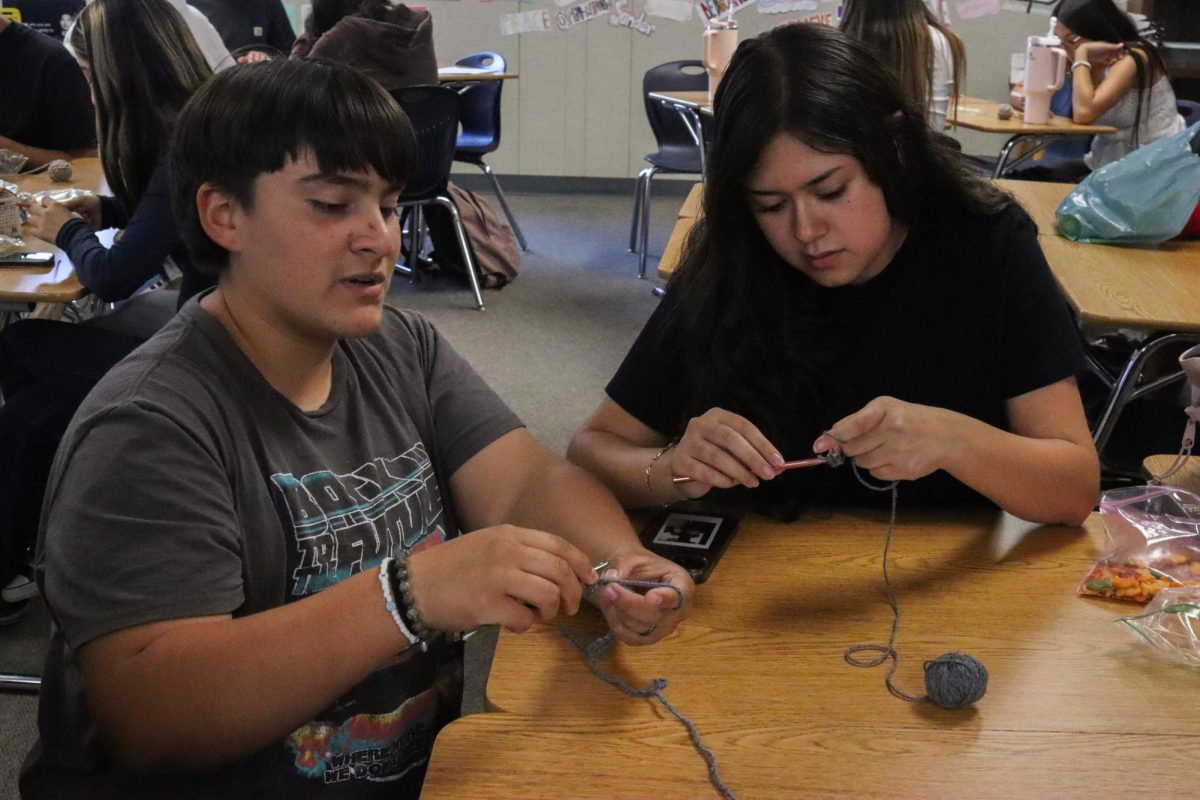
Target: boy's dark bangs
351,131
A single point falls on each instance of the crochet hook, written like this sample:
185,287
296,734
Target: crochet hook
832,459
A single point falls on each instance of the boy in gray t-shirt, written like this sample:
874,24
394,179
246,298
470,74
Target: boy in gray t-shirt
250,539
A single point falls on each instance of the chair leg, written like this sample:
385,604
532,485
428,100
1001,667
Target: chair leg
504,204
635,226
464,246
24,684
645,232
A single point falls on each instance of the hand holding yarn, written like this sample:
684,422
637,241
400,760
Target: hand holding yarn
643,596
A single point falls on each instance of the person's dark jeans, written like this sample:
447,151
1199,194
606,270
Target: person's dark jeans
46,370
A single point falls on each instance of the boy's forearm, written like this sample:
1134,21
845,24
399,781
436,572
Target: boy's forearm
253,679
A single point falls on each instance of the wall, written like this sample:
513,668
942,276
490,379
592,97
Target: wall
577,108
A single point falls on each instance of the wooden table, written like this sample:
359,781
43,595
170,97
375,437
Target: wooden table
689,212
1147,288
21,288
471,75
1074,705
1188,476
981,115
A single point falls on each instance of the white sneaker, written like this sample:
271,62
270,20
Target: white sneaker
19,589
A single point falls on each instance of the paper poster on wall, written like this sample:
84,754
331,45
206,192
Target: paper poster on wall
678,10
785,6
525,22
575,15
973,9
715,8
622,18
827,18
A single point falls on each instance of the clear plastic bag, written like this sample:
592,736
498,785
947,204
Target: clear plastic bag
1171,625
1154,543
1144,198
11,163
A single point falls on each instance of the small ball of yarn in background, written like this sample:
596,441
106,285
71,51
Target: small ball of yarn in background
59,170
1005,111
955,680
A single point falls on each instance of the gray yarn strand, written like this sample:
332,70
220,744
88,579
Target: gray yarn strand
883,652
596,649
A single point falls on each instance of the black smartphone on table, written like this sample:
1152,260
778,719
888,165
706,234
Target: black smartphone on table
29,260
694,541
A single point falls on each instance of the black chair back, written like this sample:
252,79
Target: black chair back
480,115
673,76
433,112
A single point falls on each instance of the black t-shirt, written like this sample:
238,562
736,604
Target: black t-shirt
249,23
965,317
44,98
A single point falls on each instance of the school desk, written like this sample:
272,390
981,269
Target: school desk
1075,707
455,74
21,288
688,213
1188,476
980,115
1155,289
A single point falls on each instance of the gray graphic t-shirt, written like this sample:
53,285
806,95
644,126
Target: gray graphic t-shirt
187,486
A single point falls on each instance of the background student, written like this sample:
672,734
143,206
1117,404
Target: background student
928,60
48,366
847,275
1117,77
45,110
393,44
269,492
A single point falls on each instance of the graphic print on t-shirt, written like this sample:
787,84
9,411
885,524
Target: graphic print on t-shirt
339,525
344,523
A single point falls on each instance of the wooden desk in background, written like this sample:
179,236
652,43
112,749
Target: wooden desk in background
688,213
1148,288
21,288
471,75
1188,476
1074,703
980,115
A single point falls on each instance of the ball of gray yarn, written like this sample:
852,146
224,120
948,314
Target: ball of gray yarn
1005,111
955,680
59,170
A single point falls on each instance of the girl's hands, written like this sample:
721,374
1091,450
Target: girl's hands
722,449
46,218
892,439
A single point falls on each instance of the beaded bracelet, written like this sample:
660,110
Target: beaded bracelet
389,599
650,466
1081,63
402,589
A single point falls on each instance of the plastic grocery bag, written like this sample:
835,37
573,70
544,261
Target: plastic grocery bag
1171,625
1144,198
1153,543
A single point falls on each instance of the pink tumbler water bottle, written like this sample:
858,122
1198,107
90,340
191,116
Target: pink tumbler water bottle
720,40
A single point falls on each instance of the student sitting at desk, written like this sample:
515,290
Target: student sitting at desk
45,112
1117,77
922,52
46,366
392,44
250,546
847,276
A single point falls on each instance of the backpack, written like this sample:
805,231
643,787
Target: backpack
493,244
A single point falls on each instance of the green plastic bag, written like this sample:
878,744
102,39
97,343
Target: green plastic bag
1144,198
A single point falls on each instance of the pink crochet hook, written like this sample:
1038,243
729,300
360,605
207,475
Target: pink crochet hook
833,459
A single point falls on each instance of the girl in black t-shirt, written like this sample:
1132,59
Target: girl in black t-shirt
848,287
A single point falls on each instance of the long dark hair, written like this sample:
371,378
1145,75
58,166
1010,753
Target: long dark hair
735,304
1102,21
898,32
143,64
